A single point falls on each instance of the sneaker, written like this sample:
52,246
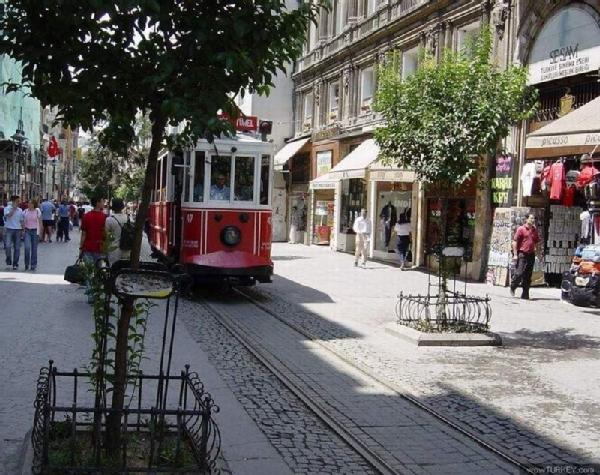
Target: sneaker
15,267
524,297
33,269
49,240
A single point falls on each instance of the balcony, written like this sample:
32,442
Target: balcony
358,28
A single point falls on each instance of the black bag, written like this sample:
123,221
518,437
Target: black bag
127,235
75,273
409,256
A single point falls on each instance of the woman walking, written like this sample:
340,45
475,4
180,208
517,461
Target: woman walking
32,222
402,229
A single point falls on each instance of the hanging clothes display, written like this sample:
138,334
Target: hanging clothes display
557,180
527,177
587,174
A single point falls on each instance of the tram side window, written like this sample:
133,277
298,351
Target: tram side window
163,179
244,179
156,190
220,174
265,183
186,176
199,177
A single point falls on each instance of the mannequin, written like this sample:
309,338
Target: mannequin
389,217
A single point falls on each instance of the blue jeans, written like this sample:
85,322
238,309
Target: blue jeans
31,245
12,246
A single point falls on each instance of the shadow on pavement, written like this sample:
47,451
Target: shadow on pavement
288,258
559,339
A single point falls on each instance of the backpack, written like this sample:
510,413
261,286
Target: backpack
127,235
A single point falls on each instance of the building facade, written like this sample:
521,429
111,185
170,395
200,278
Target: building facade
334,88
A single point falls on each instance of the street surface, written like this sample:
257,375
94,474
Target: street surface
534,399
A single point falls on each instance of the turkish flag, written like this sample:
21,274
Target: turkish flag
53,148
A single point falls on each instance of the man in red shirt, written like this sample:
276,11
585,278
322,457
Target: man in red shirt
523,246
92,232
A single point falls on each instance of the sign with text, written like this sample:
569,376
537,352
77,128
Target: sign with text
567,45
324,162
248,123
502,183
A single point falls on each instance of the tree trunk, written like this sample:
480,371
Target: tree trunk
113,422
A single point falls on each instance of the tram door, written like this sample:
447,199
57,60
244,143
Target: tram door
178,171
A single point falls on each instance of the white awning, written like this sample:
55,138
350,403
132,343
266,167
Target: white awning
578,128
288,151
355,164
324,182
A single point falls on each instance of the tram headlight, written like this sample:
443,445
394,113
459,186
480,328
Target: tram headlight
231,236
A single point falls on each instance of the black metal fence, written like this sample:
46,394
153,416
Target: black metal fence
182,430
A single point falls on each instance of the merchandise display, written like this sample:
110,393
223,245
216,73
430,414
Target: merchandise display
563,235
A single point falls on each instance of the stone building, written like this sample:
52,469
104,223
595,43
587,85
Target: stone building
332,160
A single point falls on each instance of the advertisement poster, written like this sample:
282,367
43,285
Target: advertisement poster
323,162
501,183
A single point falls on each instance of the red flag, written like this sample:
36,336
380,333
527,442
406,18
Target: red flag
53,148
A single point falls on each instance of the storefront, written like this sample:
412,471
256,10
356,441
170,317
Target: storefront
322,211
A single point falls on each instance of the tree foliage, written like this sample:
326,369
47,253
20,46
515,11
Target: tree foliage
444,116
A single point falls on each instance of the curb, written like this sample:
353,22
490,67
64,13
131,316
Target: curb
419,338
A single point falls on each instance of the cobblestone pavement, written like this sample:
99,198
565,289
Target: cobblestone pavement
535,397
404,436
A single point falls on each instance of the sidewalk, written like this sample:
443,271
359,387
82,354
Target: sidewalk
43,317
536,395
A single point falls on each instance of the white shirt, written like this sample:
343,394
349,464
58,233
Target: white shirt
113,229
402,229
527,178
362,226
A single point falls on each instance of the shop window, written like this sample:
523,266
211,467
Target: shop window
265,182
451,223
354,198
244,179
220,176
367,88
199,170
301,168
410,62
394,204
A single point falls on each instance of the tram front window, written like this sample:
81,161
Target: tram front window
198,196
220,173
244,179
265,183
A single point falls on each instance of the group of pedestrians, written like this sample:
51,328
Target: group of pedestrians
21,225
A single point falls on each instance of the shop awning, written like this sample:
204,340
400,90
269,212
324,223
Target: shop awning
380,172
575,133
355,164
324,182
288,151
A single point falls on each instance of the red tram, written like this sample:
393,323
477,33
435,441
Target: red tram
211,210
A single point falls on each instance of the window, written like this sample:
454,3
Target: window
244,179
367,86
465,36
301,168
334,97
308,106
220,175
369,7
265,182
187,177
410,61
199,170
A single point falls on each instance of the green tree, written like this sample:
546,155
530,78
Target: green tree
177,62
442,118
97,170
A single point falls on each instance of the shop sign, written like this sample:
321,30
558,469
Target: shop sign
323,162
247,123
326,134
564,140
501,183
323,185
569,44
393,175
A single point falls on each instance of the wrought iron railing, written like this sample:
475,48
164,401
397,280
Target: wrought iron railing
183,429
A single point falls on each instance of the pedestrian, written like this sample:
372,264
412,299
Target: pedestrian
63,223
73,215
403,231
32,222
91,245
47,209
362,228
523,247
2,206
13,227
113,230
294,219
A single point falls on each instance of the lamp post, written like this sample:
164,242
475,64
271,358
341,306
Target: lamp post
18,141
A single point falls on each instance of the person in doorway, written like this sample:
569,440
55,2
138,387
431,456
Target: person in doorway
294,221
113,228
523,247
403,230
47,209
32,222
362,228
13,228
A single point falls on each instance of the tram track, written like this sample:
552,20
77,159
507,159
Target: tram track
400,392
280,371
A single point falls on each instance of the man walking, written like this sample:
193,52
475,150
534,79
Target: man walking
362,228
13,227
523,247
91,245
47,209
63,224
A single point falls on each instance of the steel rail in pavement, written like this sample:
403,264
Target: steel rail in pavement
396,389
274,366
